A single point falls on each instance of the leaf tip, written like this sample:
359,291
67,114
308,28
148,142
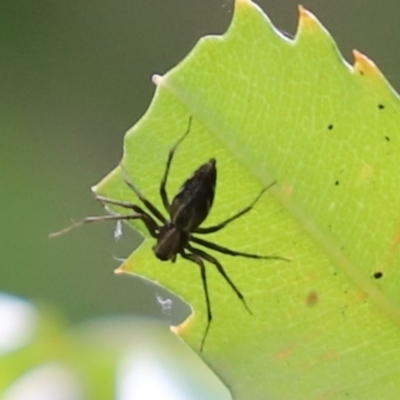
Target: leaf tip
307,19
302,9
182,327
364,65
157,79
242,3
119,270
125,267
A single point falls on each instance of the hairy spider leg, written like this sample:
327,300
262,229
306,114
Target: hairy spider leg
101,218
147,219
150,206
215,228
163,190
225,250
140,214
197,260
221,270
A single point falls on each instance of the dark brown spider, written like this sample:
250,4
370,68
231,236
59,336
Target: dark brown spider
174,235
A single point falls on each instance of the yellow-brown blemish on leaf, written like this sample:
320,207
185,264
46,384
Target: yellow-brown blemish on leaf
287,191
361,296
284,353
366,172
330,356
328,394
312,299
396,237
393,251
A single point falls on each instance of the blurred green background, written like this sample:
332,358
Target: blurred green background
74,76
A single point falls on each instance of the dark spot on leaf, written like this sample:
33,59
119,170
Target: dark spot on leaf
378,275
387,138
312,299
361,72
337,183
381,106
330,126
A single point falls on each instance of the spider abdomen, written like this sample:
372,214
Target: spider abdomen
193,202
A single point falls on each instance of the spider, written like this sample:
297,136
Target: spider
176,234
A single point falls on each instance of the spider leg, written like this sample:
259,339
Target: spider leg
225,250
124,204
120,203
150,206
197,260
163,190
215,228
147,220
221,270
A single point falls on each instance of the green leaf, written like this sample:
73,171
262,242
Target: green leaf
271,108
